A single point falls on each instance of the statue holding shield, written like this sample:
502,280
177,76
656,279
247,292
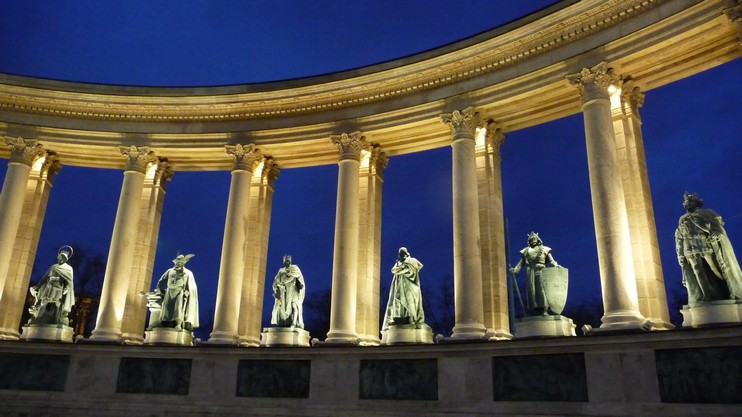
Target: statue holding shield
546,288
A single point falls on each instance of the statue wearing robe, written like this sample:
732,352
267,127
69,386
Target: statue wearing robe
179,296
405,305
288,291
54,293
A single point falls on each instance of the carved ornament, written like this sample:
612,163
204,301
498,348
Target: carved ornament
593,82
138,158
350,145
463,123
24,151
245,156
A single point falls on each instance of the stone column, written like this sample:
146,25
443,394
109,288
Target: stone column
123,240
632,163
14,294
23,152
232,266
369,245
258,231
148,229
345,255
467,252
492,230
620,300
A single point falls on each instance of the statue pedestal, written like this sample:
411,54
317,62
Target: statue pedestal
48,332
168,336
544,326
284,336
401,334
712,313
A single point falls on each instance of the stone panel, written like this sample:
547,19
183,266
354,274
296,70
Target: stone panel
399,379
273,378
702,375
19,371
539,378
154,376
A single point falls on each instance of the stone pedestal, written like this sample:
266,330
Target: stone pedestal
407,334
284,336
544,326
168,336
712,313
47,332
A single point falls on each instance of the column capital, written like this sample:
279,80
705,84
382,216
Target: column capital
24,151
495,137
378,160
160,173
633,97
245,156
138,158
270,171
350,145
49,167
594,82
463,123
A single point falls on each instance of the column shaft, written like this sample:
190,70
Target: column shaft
23,153
640,210
150,214
492,230
467,260
123,241
620,300
232,266
369,246
345,255
14,294
258,232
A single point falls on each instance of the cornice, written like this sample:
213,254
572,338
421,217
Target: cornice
548,33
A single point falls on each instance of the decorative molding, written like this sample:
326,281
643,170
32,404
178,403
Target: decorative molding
501,51
24,151
463,123
245,156
495,137
271,171
378,160
138,158
633,97
51,166
350,145
593,82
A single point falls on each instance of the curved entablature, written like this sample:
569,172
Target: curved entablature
514,74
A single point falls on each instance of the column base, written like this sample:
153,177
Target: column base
712,313
544,326
621,321
105,336
48,332
9,334
168,336
339,338
407,334
132,339
284,336
469,332
496,335
366,340
245,341
218,338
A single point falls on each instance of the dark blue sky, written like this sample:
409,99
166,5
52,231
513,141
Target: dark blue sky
692,130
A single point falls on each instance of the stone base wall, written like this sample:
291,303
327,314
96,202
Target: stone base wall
673,373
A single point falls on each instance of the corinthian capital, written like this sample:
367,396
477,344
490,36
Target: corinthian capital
495,137
378,160
633,97
271,170
594,82
22,150
245,156
350,145
50,166
138,158
463,123
160,173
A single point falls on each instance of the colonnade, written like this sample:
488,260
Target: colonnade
628,254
